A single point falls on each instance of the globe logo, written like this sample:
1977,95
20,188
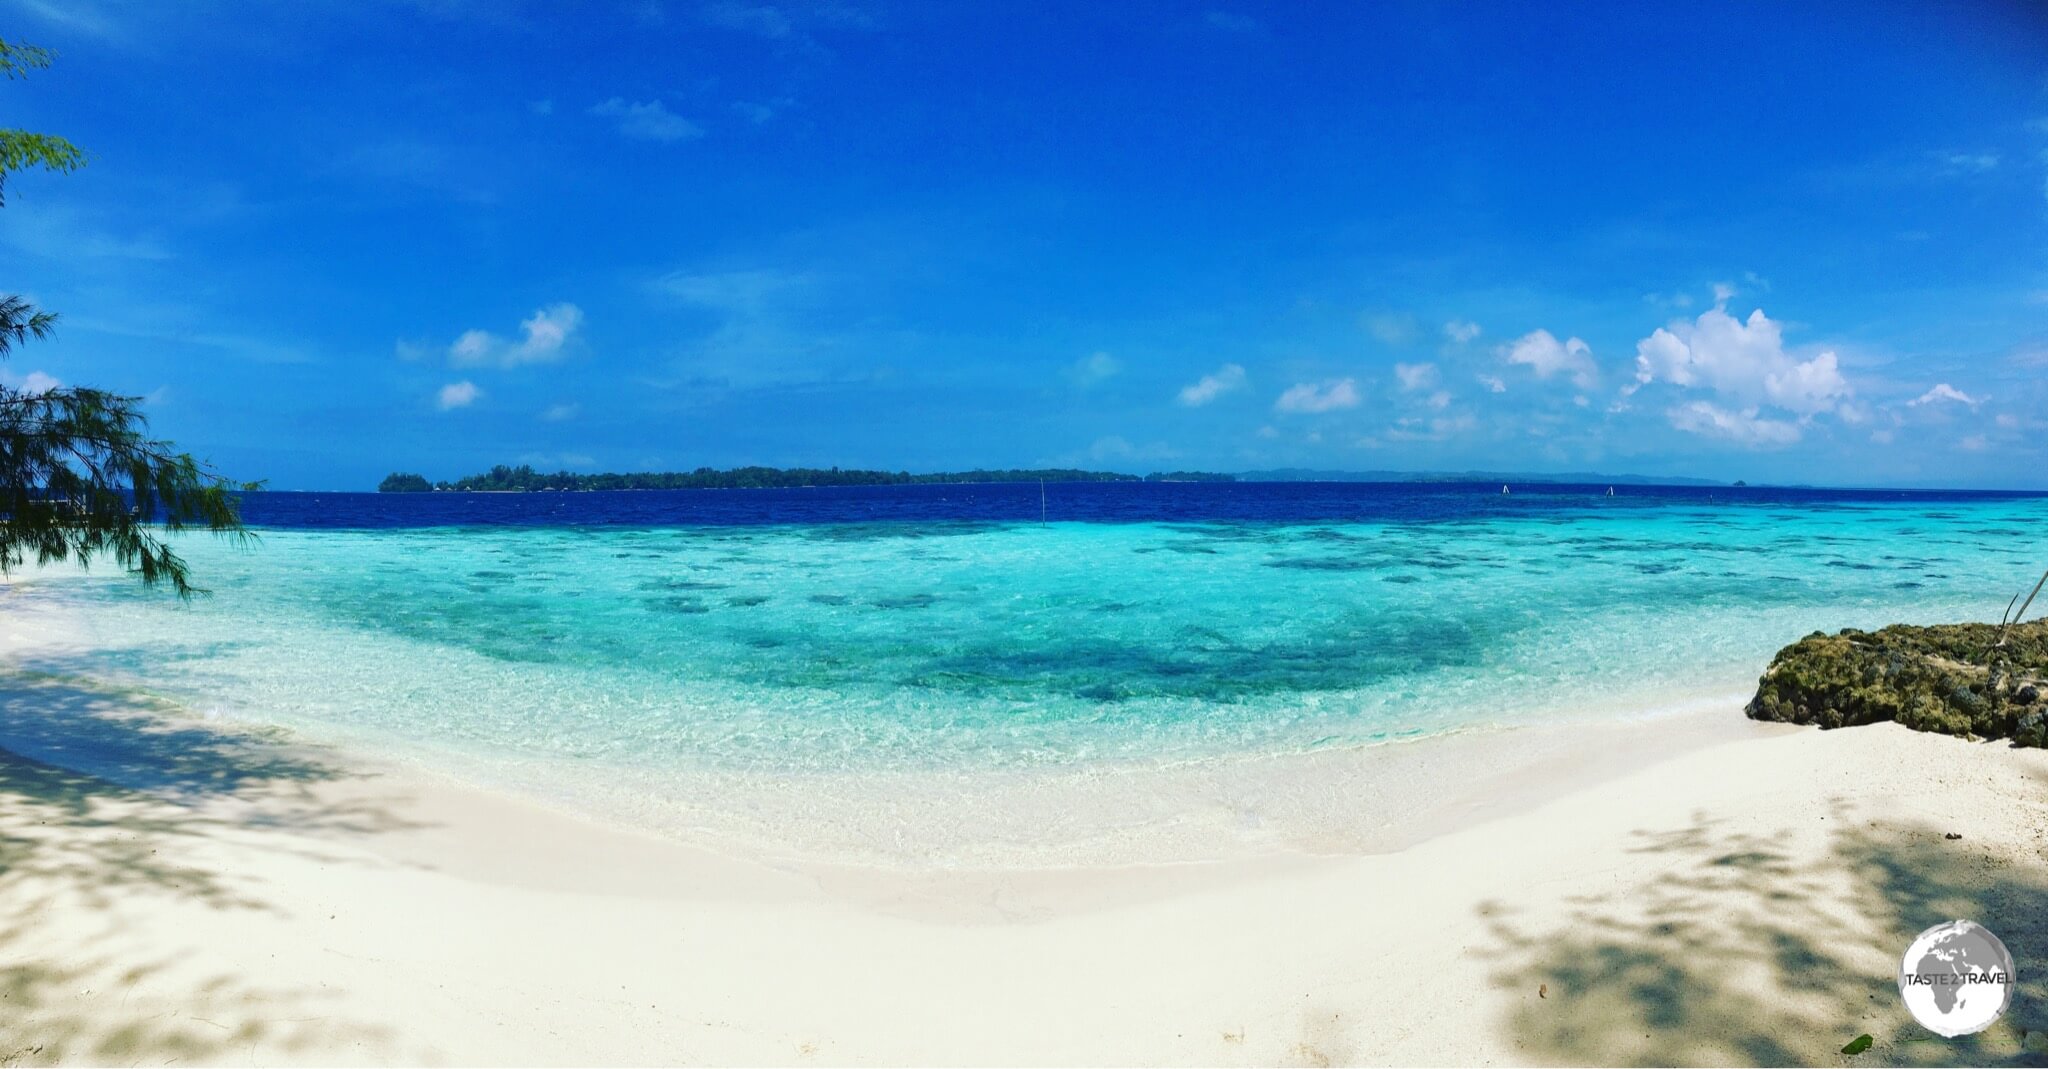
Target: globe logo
1956,978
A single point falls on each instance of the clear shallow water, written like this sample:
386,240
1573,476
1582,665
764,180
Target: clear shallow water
705,636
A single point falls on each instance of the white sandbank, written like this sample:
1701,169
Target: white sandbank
1687,890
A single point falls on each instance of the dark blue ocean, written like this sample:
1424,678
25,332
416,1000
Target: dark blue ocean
1248,502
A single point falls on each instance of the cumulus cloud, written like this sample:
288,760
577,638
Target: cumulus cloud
1209,387
1744,360
1745,427
1942,392
1329,396
457,395
559,412
647,121
35,383
544,335
1493,383
1416,376
1461,330
1093,368
1541,352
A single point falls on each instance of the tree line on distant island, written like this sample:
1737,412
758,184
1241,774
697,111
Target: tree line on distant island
525,478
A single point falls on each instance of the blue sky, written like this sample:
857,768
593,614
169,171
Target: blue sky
330,240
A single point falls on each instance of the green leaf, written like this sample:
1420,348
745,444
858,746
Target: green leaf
1859,1044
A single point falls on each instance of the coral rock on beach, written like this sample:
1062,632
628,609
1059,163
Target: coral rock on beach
1955,679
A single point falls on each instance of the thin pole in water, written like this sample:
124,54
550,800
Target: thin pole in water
1041,502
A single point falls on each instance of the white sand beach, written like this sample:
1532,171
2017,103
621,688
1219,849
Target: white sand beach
1740,900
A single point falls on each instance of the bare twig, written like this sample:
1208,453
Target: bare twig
2023,611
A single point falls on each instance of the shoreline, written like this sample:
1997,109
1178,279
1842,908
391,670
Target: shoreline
1330,801
1740,901
1338,801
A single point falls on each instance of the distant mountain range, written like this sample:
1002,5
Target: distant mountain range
1315,475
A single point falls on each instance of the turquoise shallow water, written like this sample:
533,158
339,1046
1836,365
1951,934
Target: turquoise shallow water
900,647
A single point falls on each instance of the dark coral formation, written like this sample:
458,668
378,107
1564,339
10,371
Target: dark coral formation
1956,679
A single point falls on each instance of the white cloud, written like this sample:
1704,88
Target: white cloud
33,383
1436,429
1493,384
1968,162
547,330
1394,330
1416,376
1328,397
545,334
743,292
1723,293
457,395
1461,330
1745,360
647,121
1209,387
1745,427
1941,392
560,461
473,347
1975,443
559,412
1093,368
1543,353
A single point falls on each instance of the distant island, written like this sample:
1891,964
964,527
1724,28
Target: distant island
525,478
1587,478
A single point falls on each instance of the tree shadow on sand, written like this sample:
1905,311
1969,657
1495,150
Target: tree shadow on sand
107,802
1765,950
